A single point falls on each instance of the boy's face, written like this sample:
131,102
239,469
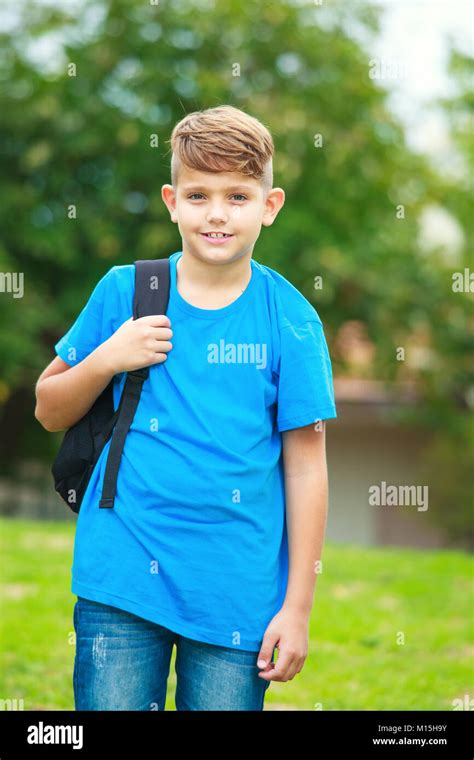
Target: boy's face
228,202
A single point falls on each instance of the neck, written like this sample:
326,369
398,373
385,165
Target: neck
205,276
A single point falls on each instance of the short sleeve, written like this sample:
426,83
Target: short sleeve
305,384
93,326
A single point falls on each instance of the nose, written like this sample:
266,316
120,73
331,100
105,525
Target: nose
216,213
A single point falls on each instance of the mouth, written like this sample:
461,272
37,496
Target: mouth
219,240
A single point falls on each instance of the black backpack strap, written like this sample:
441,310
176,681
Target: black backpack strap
151,296
152,287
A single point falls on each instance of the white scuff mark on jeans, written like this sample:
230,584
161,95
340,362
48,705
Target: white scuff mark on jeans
98,650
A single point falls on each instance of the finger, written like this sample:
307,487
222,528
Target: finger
266,651
162,333
283,668
155,320
270,664
163,345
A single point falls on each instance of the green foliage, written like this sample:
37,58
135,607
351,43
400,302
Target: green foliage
85,140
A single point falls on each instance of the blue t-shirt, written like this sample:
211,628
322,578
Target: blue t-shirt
197,539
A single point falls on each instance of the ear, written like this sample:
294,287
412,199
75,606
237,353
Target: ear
169,199
274,202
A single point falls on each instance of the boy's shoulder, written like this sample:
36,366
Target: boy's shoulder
117,283
122,274
293,308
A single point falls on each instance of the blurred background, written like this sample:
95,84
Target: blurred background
371,109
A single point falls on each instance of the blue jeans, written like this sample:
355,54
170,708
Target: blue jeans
122,662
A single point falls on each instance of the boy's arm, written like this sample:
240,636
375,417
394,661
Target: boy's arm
306,489
64,394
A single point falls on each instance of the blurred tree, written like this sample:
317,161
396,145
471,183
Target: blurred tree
449,387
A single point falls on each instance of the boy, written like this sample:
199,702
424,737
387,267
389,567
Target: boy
221,498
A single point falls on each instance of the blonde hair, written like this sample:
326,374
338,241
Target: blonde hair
223,139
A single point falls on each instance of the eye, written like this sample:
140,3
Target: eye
238,195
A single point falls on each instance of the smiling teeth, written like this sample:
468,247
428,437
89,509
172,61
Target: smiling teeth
216,234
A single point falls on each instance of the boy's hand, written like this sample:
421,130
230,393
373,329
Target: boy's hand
288,630
138,343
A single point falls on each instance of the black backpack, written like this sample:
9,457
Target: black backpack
83,443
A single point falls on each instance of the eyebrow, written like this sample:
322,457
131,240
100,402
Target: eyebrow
188,188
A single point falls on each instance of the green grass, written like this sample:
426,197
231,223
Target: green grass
391,629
